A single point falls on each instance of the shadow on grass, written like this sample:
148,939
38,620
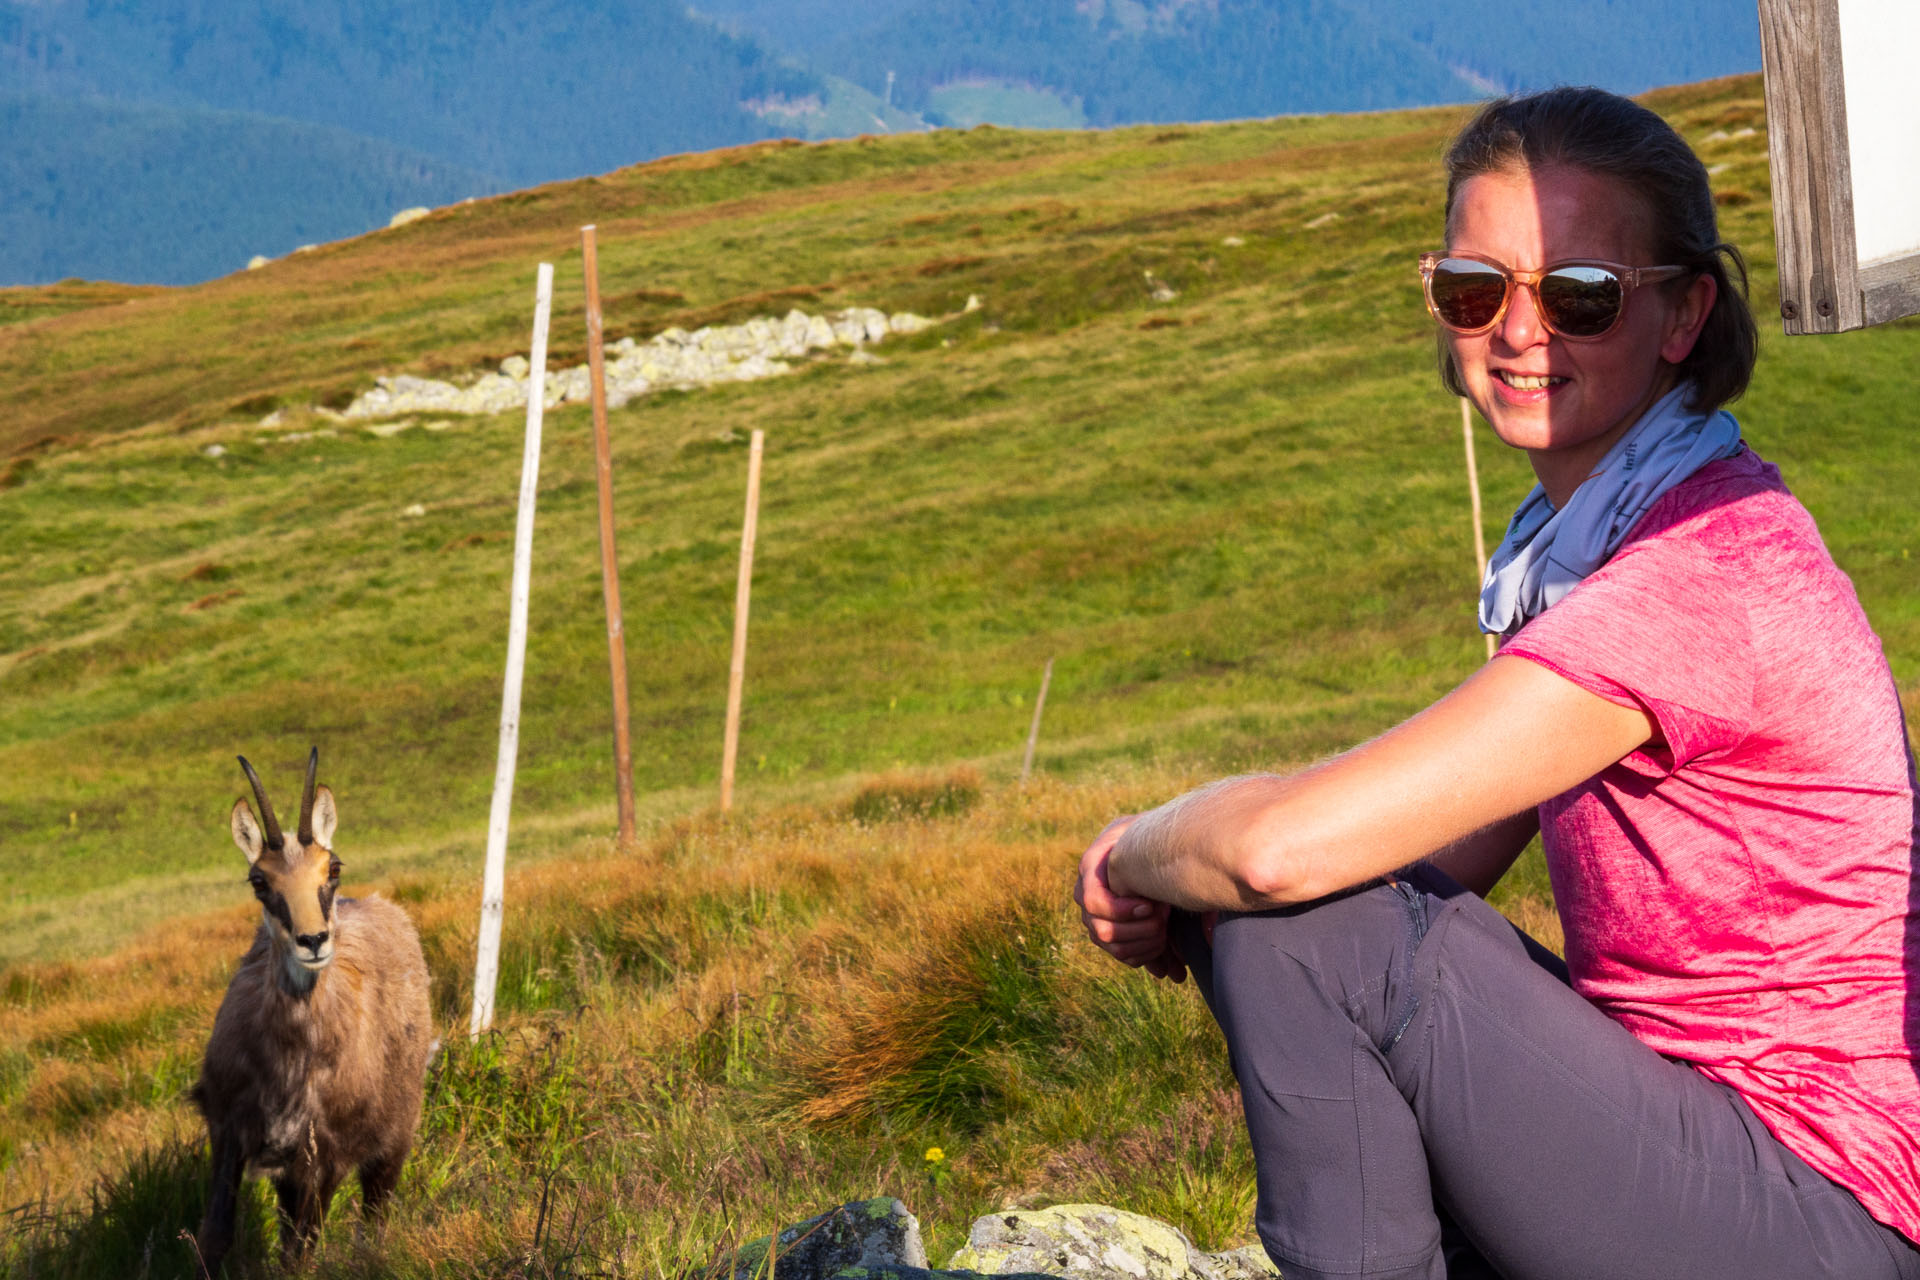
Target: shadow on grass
137,1224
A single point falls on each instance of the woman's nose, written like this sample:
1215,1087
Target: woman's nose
1522,327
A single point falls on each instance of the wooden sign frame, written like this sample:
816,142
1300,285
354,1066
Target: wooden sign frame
1825,287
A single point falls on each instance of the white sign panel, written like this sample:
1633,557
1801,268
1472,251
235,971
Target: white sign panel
1879,40
1843,139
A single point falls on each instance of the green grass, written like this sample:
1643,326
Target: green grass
1235,521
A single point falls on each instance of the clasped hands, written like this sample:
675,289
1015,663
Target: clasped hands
1130,929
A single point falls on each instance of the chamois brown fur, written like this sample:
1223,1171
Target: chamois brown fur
317,1062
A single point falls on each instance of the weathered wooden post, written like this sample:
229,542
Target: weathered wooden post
609,558
737,672
1473,494
1033,733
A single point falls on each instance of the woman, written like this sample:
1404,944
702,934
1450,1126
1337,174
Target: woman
1689,706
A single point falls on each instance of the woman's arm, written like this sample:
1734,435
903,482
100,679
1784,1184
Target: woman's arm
1513,735
1478,861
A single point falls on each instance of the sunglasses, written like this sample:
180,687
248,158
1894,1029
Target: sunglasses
1580,299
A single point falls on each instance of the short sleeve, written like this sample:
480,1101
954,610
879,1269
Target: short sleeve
1663,627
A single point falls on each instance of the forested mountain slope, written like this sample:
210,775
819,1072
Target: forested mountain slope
106,191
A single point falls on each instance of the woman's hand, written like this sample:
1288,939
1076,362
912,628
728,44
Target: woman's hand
1131,930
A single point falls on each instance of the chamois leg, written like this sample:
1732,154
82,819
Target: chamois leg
304,1197
378,1177
223,1193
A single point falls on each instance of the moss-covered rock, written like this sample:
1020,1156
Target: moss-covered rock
878,1233
1095,1242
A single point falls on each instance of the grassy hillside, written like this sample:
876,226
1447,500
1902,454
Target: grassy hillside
1235,519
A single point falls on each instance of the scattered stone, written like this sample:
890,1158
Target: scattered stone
415,511
864,357
257,261
973,303
1233,242
1747,132
865,1234
763,347
305,248
274,419
1095,1242
438,424
387,429
215,451
405,216
1326,219
1161,290
1718,135
1715,170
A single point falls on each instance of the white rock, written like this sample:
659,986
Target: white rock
215,450
515,367
405,216
1233,242
414,512
1324,220
973,304
257,261
907,322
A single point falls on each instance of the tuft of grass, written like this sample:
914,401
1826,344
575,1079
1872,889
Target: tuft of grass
898,796
948,1041
137,1221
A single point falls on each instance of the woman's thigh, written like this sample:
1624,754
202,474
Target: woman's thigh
1558,1144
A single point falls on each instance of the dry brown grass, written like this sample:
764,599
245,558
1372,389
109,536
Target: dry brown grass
737,1024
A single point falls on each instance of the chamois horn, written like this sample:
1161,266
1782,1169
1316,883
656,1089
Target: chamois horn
306,797
275,840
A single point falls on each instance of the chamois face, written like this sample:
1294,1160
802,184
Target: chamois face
295,884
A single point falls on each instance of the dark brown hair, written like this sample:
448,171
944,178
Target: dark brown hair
1617,138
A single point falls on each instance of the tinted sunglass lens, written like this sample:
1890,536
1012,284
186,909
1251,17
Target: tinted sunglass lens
1582,302
1466,294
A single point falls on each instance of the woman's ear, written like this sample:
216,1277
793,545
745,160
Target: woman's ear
1688,316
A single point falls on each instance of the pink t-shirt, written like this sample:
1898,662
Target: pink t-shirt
1743,894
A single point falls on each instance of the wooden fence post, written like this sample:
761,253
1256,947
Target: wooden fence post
609,558
486,967
737,672
1473,492
1033,733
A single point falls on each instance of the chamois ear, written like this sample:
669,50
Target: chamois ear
324,816
246,832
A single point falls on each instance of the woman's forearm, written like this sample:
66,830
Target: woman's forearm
1197,850
1514,735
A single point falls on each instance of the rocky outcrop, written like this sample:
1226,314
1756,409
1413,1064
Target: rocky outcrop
880,1240
760,348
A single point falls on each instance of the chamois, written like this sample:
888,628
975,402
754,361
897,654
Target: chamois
318,1057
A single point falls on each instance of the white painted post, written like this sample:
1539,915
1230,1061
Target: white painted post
1473,492
743,591
1033,734
486,968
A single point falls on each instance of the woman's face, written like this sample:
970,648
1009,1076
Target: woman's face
1565,402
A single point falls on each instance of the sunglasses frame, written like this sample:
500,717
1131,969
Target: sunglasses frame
1630,278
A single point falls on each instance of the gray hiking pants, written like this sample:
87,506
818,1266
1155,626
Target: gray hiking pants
1428,1098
